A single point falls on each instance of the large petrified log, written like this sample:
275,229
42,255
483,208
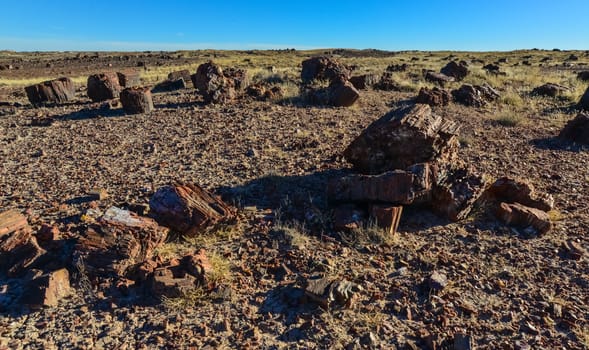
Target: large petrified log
137,100
401,138
103,86
212,84
188,208
118,240
323,68
577,129
58,90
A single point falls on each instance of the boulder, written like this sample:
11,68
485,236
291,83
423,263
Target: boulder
516,214
401,138
47,289
103,86
364,81
458,71
118,240
129,78
438,78
342,94
550,89
239,76
323,68
58,91
212,84
137,100
584,101
577,129
475,95
510,190
433,97
188,208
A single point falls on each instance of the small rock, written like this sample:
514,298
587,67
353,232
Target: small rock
437,281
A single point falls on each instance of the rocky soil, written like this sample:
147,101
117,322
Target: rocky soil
435,284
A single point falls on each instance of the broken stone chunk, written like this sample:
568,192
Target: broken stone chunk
48,289
521,216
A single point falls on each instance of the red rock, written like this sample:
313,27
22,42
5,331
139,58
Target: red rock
391,187
386,216
198,265
239,76
188,208
170,85
48,289
137,100
342,94
577,129
58,90
323,68
184,74
433,97
475,95
103,86
129,78
510,190
212,84
456,194
401,138
387,83
14,230
48,233
24,257
165,283
519,215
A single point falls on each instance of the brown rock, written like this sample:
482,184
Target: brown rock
365,81
24,257
387,83
170,85
137,100
348,217
386,216
327,292
103,86
58,90
458,71
212,84
48,289
324,68
129,78
172,285
343,94
550,89
510,190
264,93
118,240
519,215
401,138
188,209
239,76
14,230
577,129
48,233
475,95
438,78
433,97
198,265
455,195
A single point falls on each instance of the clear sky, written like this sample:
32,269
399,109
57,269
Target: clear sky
131,25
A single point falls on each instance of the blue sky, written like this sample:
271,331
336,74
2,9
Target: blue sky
132,25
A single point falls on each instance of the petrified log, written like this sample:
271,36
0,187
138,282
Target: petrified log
510,190
577,129
387,83
343,94
455,195
433,97
14,230
386,216
170,85
323,68
184,74
326,291
365,81
48,289
129,78
239,76
458,71
137,100
550,89
475,95
188,208
118,240
24,257
438,78
401,138
519,215
212,84
103,86
172,285
58,90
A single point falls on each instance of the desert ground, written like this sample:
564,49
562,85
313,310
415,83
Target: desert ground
271,161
